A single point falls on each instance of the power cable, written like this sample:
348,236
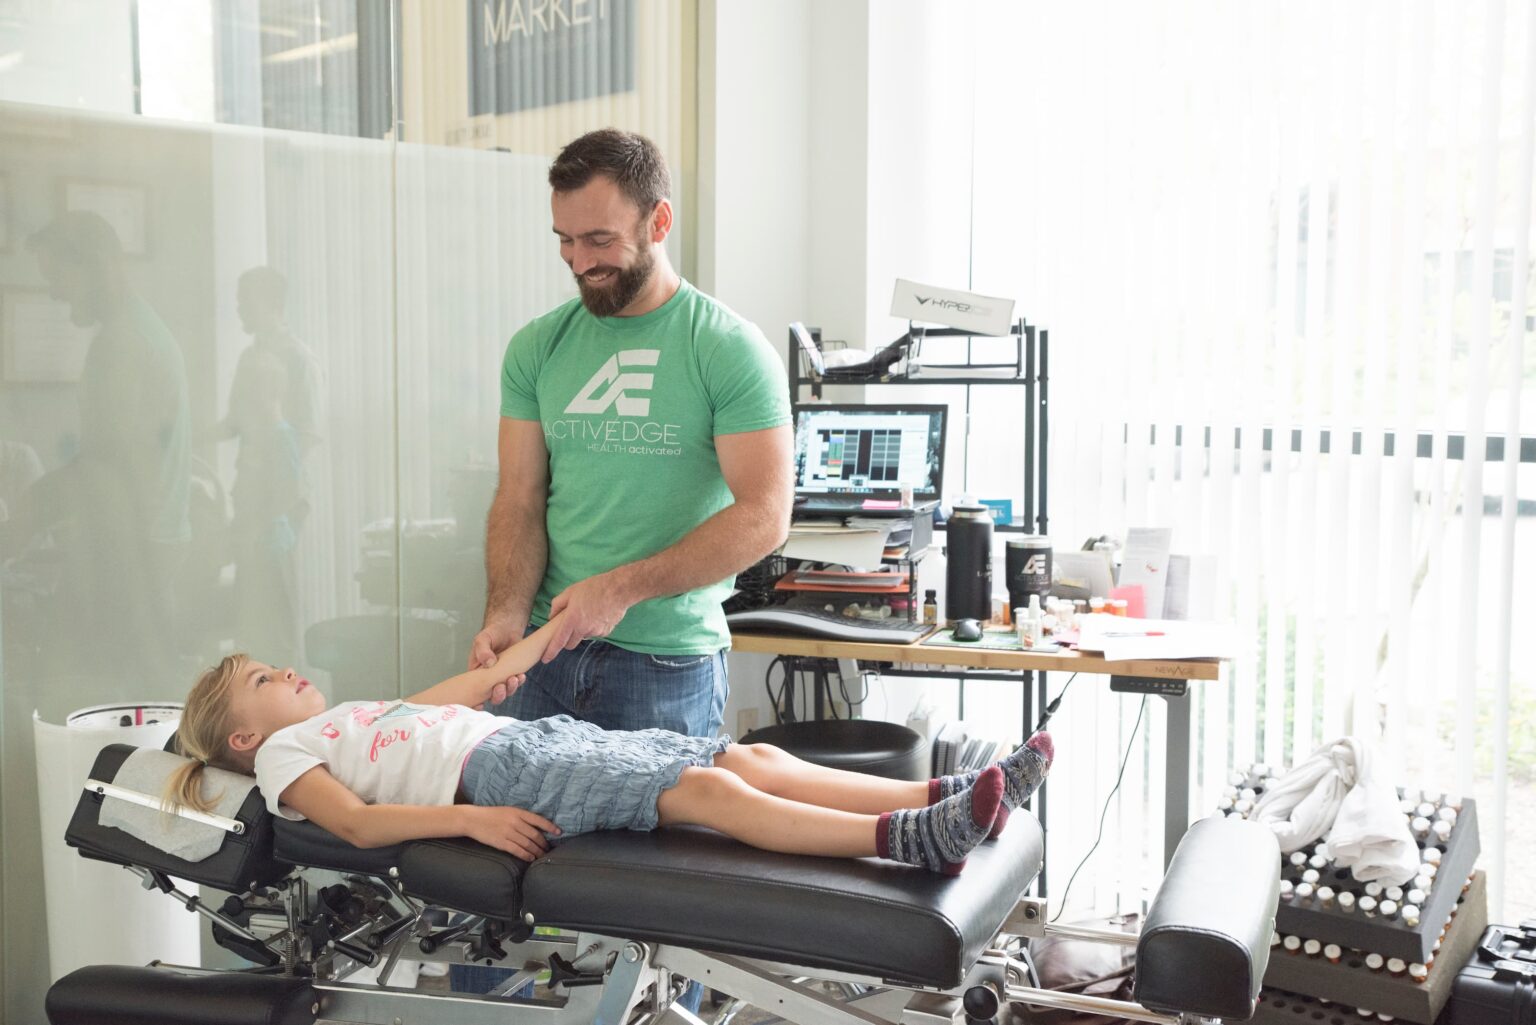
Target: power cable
1105,813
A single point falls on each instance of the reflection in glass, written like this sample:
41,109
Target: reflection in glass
252,399
115,515
273,417
191,471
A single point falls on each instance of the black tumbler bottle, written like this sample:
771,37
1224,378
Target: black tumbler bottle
968,576
1027,569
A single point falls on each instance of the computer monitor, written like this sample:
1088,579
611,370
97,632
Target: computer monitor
869,450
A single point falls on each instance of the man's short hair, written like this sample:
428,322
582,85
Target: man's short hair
633,162
265,286
78,236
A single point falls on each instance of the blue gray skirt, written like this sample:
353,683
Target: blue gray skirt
579,776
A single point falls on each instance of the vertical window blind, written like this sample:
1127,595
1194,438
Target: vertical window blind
1283,252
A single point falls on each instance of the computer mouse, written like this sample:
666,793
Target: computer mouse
967,630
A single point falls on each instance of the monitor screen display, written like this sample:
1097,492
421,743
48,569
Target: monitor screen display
863,450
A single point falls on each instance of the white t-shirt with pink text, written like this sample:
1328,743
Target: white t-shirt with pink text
386,752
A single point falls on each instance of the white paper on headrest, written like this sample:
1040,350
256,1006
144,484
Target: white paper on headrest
146,772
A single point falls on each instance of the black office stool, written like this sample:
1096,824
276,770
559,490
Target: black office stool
859,745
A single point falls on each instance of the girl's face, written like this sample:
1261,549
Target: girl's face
264,700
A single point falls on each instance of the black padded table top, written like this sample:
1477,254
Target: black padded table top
696,888
685,886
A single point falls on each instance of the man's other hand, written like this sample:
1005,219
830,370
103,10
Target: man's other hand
593,608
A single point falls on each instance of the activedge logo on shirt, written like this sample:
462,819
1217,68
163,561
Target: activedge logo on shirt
617,383
619,393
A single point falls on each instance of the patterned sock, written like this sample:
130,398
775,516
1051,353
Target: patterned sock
939,836
1024,770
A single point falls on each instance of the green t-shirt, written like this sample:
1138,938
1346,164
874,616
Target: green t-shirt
631,407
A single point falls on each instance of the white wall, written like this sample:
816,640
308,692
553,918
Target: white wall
835,149
919,186
837,123
755,181
781,185
919,139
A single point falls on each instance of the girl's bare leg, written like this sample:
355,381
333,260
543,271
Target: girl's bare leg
725,801
937,837
775,771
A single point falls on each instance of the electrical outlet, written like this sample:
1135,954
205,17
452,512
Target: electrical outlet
746,722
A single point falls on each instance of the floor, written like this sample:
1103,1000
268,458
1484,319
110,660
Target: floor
709,1012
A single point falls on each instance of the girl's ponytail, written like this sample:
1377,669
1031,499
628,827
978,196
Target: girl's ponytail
202,736
185,788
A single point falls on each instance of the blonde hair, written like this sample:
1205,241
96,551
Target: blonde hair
203,736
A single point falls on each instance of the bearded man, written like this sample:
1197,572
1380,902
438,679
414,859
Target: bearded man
645,458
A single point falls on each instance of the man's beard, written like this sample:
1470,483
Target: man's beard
607,300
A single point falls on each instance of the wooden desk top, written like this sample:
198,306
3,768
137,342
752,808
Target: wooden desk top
973,658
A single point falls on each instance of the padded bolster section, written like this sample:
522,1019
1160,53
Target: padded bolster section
1205,944
124,995
304,843
454,873
695,888
243,861
464,875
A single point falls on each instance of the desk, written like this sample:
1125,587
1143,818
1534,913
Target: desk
911,656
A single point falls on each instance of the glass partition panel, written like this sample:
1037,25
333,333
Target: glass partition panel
250,343
196,414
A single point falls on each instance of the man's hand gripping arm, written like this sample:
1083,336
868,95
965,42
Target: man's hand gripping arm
758,468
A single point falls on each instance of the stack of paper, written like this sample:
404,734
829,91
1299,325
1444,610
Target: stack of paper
935,371
856,544
898,536
1120,637
838,581
1145,563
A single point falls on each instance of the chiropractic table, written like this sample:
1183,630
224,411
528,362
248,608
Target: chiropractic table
621,919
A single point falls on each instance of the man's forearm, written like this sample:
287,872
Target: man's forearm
722,546
516,553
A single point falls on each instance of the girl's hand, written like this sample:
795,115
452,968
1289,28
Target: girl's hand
503,690
520,833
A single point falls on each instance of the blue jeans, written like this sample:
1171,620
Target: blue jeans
616,689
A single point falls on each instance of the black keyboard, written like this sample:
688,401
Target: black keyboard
821,623
855,507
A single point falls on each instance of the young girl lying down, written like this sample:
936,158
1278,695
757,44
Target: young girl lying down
380,772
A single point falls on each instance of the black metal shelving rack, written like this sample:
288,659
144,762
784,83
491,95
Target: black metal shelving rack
1031,368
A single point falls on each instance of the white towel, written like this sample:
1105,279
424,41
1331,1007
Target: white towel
1339,791
1301,805
1370,836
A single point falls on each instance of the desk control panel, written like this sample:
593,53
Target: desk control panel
1149,685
